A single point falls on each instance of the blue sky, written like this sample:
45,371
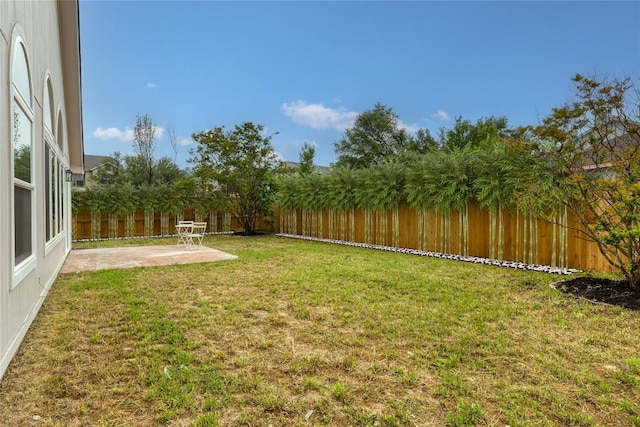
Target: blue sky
306,69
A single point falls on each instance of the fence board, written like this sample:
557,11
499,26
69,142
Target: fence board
533,241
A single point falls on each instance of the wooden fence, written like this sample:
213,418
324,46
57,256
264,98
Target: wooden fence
87,226
502,235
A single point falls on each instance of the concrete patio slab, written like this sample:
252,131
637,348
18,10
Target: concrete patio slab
139,256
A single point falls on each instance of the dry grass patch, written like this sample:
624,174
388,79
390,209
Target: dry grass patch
302,333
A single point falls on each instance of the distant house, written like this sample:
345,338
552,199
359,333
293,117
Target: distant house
623,145
93,163
41,122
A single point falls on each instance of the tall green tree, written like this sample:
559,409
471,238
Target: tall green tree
593,148
131,170
465,134
375,136
242,165
144,135
307,155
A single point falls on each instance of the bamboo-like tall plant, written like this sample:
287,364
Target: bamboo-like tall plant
341,201
93,200
312,194
288,200
364,202
536,196
383,192
495,186
443,181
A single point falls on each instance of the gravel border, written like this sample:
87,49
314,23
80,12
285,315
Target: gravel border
472,259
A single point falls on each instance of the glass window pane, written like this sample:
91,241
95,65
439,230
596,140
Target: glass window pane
47,185
54,194
21,144
48,122
22,203
61,196
20,73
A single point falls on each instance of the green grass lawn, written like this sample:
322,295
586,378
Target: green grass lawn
298,333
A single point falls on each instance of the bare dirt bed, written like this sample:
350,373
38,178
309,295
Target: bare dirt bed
599,290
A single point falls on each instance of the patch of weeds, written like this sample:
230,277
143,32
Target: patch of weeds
358,342
348,363
364,417
207,420
271,399
575,418
602,386
266,344
311,383
247,383
634,364
466,414
174,394
408,378
306,365
452,386
56,386
632,409
341,392
323,409
627,379
213,404
211,381
302,313
399,415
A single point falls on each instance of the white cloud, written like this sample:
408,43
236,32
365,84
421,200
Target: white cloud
442,115
114,133
318,116
152,85
125,135
185,141
296,144
407,127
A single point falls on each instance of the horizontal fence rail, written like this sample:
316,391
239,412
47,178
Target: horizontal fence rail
499,234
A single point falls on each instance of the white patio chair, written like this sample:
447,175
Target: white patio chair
184,229
197,233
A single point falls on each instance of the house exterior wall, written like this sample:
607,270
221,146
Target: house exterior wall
50,31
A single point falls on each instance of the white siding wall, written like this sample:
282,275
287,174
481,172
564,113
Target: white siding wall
20,302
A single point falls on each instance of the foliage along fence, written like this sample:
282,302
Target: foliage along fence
501,234
95,226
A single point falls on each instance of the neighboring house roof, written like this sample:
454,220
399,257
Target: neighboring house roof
296,165
624,145
93,162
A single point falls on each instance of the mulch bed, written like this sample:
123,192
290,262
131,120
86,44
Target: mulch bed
614,292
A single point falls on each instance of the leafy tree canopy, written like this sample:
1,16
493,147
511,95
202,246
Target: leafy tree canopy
131,170
375,136
242,165
465,134
592,149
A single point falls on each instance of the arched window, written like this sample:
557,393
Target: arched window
59,130
47,106
52,166
22,141
62,169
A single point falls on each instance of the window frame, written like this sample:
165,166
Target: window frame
28,264
53,164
